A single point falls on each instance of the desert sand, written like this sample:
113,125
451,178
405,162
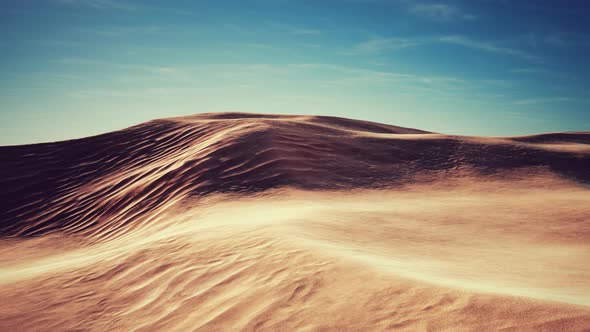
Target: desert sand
232,221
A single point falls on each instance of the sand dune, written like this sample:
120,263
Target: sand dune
232,221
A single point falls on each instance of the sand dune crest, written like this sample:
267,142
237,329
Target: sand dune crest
235,221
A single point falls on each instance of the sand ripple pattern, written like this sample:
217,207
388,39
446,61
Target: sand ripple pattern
231,221
104,185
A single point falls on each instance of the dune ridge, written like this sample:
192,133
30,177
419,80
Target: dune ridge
74,186
238,221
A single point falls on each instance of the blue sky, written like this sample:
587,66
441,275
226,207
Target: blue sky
73,68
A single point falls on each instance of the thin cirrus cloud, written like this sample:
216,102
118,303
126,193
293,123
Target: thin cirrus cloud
100,4
121,5
375,45
487,47
533,101
294,30
440,12
379,45
121,31
433,11
537,71
324,73
555,40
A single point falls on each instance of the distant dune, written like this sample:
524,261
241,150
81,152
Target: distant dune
237,221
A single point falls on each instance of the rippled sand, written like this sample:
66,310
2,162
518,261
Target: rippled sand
241,222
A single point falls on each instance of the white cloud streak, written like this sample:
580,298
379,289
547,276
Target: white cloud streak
440,12
119,5
544,100
487,47
381,45
375,45
100,4
294,30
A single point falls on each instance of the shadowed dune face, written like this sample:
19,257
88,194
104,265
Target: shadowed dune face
243,221
107,182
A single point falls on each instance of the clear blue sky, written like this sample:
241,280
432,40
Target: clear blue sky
73,68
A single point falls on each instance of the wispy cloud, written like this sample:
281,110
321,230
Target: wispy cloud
440,12
120,5
295,30
379,45
100,4
498,83
529,71
544,100
555,40
554,74
123,30
355,75
487,47
302,31
375,45
150,92
325,75
170,70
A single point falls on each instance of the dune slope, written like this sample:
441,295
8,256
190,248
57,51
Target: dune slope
232,221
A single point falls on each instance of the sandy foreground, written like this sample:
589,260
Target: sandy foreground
173,239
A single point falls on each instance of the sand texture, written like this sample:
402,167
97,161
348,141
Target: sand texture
231,221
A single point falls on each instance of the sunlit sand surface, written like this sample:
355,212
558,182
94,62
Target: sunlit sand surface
241,222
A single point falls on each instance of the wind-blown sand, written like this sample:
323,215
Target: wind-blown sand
257,222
